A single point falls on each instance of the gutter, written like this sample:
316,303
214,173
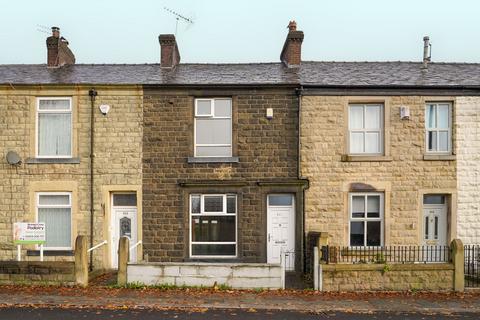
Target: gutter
92,93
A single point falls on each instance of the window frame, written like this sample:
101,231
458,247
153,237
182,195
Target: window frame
380,130
365,219
38,205
38,111
212,116
210,214
437,130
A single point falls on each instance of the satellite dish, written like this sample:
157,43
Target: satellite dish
13,158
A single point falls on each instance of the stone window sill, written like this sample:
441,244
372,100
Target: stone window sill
52,160
358,158
51,253
212,160
439,157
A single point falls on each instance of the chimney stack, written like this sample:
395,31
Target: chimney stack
169,54
58,53
291,54
427,52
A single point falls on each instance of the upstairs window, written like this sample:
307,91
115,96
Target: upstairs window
365,128
438,127
54,127
213,127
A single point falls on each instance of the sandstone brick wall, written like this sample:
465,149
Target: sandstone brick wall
266,149
467,117
118,155
37,273
397,278
407,175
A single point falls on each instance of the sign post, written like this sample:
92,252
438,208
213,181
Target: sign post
28,233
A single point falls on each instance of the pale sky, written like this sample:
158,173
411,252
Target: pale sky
126,31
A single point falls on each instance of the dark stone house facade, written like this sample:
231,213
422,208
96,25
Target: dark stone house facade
264,161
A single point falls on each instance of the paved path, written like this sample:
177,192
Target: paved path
304,301
95,314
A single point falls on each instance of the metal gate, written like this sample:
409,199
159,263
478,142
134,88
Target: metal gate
472,266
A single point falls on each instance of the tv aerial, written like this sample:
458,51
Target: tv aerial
179,17
43,29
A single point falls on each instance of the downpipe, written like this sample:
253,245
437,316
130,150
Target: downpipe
93,94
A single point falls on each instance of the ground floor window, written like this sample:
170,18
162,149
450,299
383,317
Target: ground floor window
366,219
55,210
213,231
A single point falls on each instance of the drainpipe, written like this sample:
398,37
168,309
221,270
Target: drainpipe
299,93
92,93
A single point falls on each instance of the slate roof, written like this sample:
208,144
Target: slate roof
381,74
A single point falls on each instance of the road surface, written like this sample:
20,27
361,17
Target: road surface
201,314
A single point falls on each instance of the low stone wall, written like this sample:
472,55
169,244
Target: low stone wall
37,273
238,276
394,277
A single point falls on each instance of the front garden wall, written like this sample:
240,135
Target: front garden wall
397,277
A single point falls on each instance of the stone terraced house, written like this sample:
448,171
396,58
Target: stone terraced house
46,120
391,152
238,162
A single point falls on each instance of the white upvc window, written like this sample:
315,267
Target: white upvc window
213,225
213,127
366,212
55,210
54,127
365,127
438,125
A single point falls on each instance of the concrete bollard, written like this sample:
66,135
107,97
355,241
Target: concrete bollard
458,259
123,255
81,261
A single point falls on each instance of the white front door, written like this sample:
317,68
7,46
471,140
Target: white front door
281,229
124,224
435,225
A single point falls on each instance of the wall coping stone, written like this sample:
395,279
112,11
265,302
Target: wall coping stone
203,264
391,267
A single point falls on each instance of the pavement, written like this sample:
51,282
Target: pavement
107,298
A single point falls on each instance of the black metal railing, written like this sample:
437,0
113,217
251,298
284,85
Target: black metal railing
472,266
390,254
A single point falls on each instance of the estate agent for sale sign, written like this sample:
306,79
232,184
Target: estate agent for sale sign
28,233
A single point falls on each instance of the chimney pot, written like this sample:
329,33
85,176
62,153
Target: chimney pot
56,32
169,54
291,54
292,25
427,52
